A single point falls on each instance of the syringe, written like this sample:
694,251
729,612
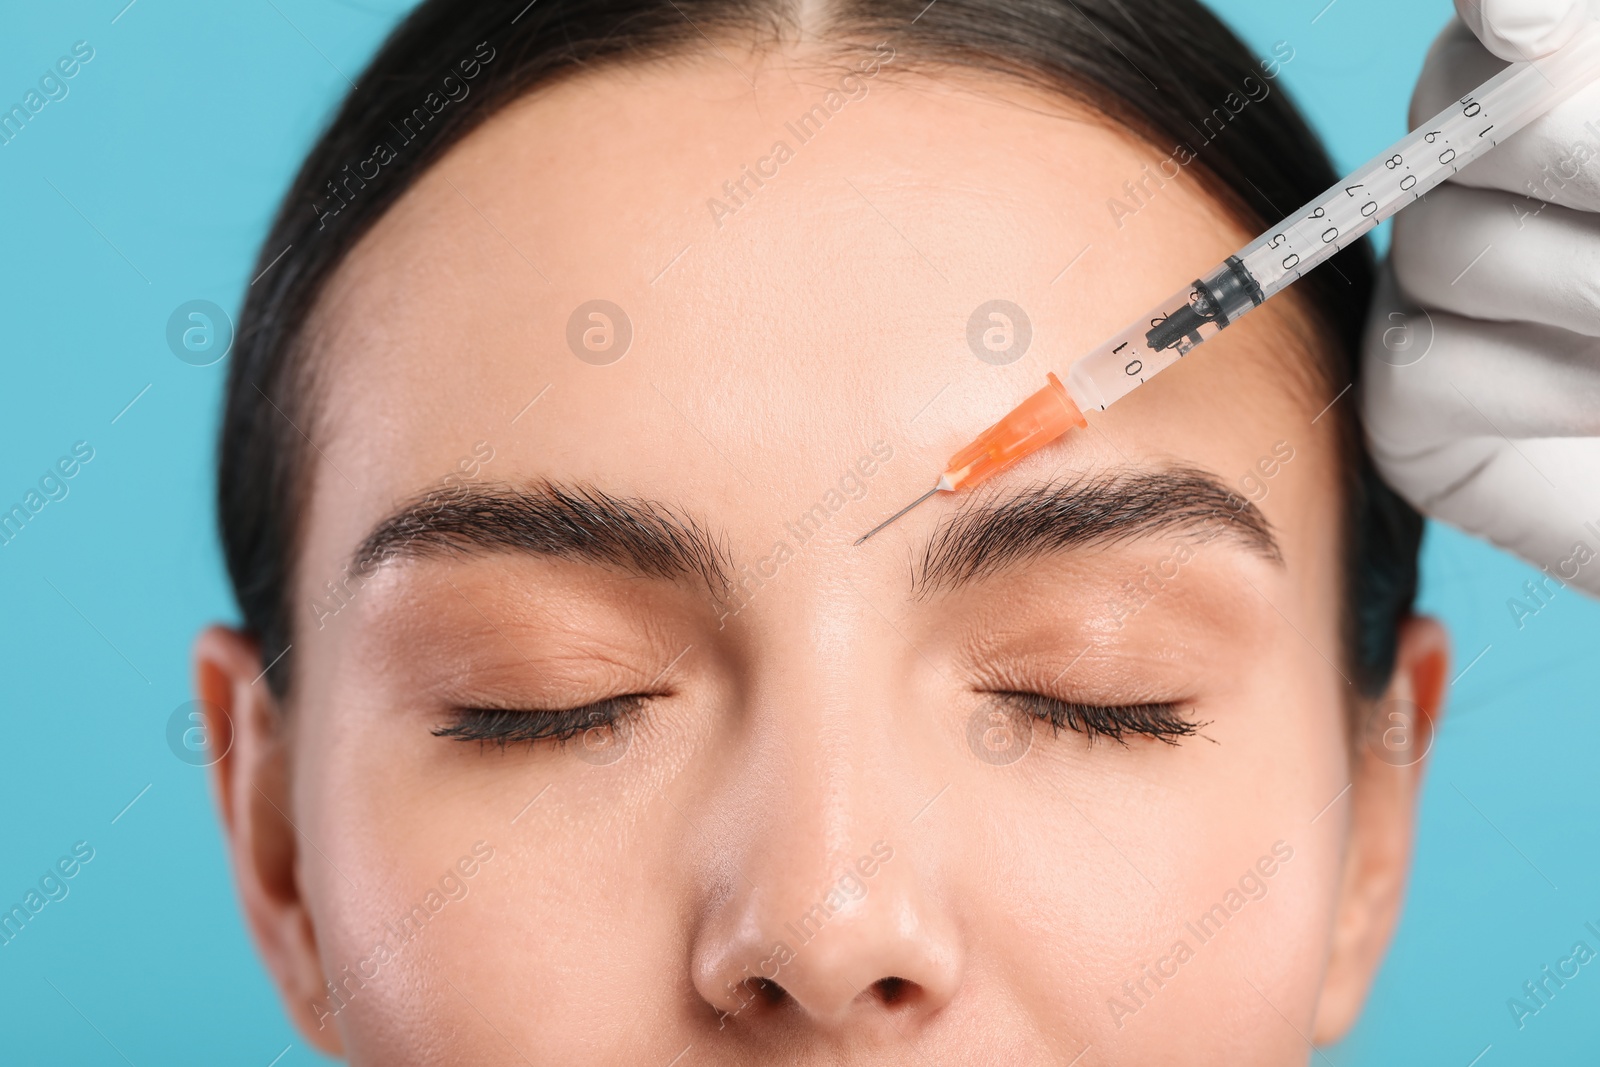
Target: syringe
1397,177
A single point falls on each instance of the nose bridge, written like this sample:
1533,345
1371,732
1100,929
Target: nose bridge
830,915
822,713
822,706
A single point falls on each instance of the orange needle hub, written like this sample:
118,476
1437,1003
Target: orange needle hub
1028,427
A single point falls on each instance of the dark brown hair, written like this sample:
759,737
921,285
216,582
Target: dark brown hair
1165,69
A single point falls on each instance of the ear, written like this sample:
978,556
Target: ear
250,784
1386,777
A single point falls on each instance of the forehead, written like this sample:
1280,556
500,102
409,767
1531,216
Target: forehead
721,285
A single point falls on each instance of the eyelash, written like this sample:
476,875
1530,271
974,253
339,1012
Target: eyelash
1116,722
512,726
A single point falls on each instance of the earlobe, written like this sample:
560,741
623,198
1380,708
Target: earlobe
250,786
1386,784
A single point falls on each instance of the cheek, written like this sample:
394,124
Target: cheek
577,848
1101,869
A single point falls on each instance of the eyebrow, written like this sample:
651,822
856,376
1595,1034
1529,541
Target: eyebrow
562,521
990,534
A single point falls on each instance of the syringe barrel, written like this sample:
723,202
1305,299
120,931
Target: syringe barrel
1345,212
1419,162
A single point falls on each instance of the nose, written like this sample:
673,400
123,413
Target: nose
852,944
832,908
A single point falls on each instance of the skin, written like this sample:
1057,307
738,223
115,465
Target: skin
621,902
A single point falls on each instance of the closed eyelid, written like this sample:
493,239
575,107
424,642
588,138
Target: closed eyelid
503,726
1161,721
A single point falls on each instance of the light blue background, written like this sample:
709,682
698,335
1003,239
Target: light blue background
167,158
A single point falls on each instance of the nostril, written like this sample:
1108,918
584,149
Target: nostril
754,995
767,990
892,990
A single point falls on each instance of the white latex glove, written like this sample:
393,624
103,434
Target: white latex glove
1481,393
1521,29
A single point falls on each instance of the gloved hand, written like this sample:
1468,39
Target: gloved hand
1481,396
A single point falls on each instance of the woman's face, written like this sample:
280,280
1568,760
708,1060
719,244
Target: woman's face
815,810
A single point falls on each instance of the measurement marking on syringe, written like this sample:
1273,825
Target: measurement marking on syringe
1321,230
